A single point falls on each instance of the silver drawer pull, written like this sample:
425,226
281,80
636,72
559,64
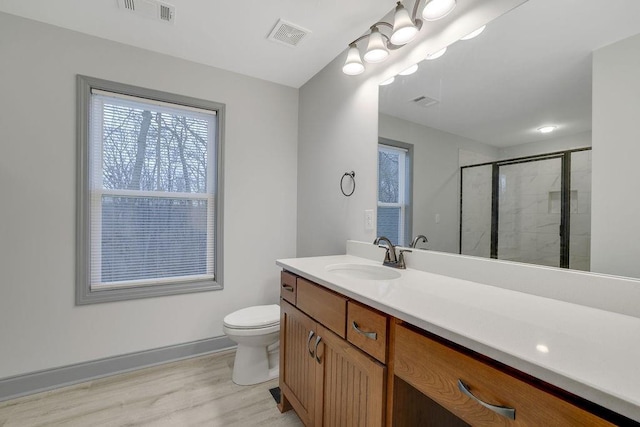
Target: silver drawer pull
287,288
500,410
370,335
311,334
315,350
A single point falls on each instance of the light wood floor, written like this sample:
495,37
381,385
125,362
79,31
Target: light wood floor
194,392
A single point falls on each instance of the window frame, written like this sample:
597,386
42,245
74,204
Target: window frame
84,293
405,202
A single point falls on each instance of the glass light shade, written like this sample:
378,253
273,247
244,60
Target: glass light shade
409,70
403,29
353,65
475,33
376,49
437,9
388,81
436,55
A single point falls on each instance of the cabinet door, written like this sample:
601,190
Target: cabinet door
352,384
297,362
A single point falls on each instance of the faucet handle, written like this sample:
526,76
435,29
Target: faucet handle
401,263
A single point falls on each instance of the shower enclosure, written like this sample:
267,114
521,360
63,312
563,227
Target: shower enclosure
531,209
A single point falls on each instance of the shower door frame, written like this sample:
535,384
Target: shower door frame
565,198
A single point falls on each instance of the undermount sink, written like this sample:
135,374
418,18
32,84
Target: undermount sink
363,271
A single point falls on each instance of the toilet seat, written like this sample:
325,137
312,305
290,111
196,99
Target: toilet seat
256,317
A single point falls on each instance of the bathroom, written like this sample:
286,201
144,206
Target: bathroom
281,177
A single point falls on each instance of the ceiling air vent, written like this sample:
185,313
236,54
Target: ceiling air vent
153,9
424,101
287,33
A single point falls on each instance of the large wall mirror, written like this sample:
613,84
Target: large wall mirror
499,131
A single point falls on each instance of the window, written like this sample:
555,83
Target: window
149,193
394,215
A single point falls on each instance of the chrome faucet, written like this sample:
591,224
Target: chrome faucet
390,258
416,239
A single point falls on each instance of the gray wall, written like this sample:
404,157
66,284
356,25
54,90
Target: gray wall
40,327
615,241
436,177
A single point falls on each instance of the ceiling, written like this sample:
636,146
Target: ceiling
531,67
231,35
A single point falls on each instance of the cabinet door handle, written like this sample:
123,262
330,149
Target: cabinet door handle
500,410
315,350
311,353
370,335
287,288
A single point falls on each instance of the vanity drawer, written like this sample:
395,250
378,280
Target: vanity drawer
435,370
367,330
323,305
288,287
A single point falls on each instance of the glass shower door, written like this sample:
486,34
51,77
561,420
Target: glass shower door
475,212
529,211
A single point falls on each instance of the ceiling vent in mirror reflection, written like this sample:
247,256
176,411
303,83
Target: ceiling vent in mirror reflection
287,33
424,101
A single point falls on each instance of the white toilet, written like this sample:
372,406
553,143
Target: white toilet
256,330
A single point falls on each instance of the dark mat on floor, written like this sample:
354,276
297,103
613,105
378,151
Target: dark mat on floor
275,392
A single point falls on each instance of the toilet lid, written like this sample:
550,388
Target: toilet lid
259,316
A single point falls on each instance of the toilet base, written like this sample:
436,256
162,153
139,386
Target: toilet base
254,365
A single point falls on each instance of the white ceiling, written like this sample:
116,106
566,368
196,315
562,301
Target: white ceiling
231,35
529,68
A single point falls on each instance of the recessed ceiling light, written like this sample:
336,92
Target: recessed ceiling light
542,348
475,33
409,70
388,81
547,129
436,55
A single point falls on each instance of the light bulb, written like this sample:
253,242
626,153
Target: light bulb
409,70
403,29
437,9
376,49
436,55
353,65
475,33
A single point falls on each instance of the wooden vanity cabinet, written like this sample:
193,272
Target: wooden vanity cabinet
345,364
492,397
324,378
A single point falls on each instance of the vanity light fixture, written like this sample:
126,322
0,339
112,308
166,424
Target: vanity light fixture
404,29
547,129
474,34
388,81
436,55
409,70
376,49
353,65
437,9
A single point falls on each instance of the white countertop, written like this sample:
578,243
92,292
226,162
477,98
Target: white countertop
592,353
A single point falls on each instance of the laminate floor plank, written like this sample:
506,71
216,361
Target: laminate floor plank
192,392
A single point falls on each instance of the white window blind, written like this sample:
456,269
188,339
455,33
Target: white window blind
152,184
392,192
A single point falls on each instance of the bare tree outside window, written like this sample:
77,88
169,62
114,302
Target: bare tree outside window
153,151
150,195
